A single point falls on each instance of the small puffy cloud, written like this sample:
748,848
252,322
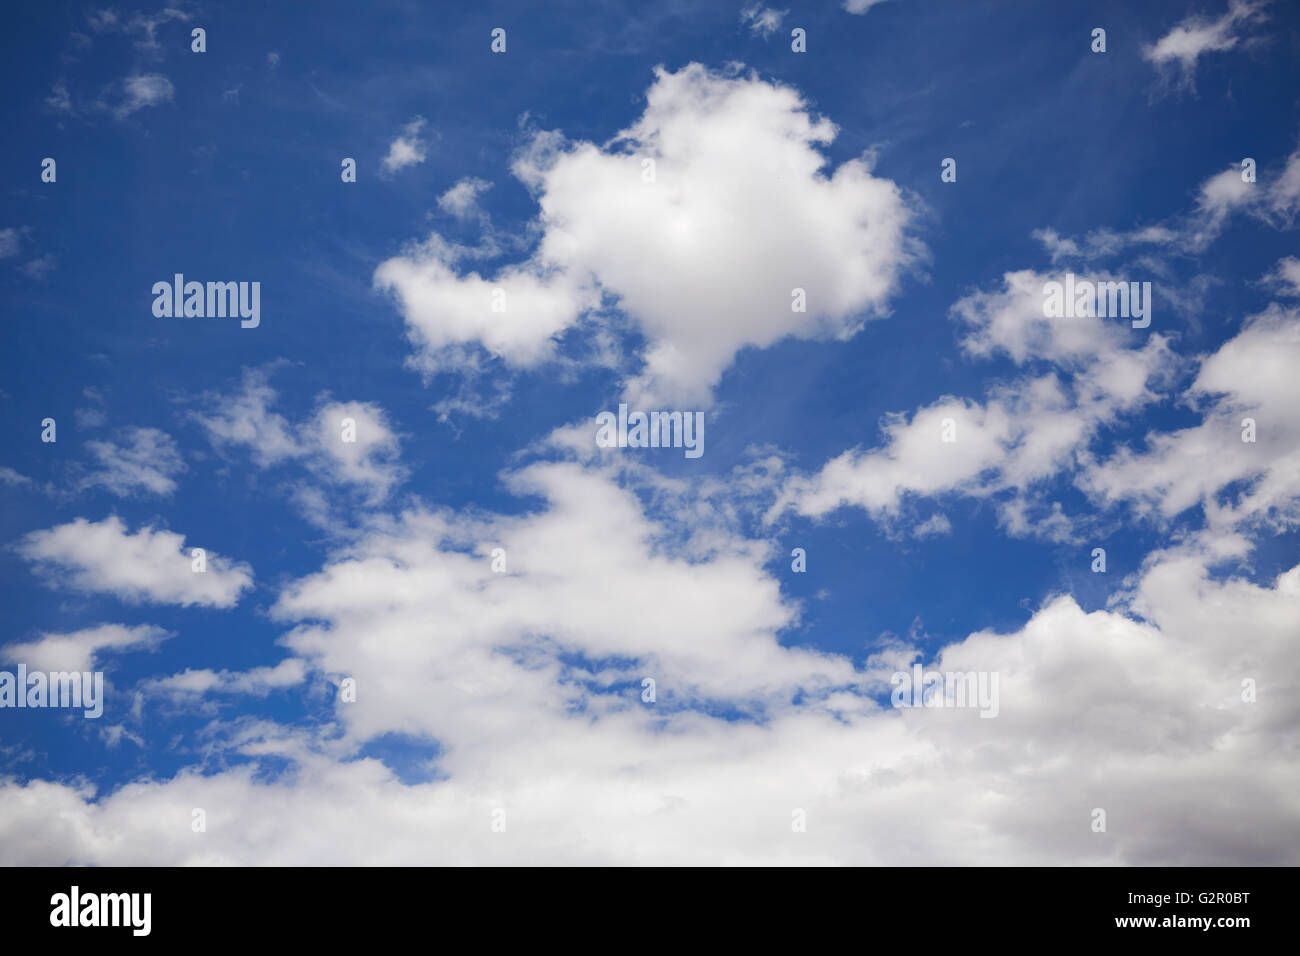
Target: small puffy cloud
245,419
151,566
357,447
9,242
79,650
256,682
446,311
141,90
363,454
860,6
762,21
461,200
407,149
1287,276
1225,192
1181,47
145,462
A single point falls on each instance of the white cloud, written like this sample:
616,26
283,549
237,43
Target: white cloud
860,6
461,200
59,100
151,565
1182,46
79,650
146,462
741,212
141,90
408,148
245,419
256,682
13,478
369,459
1025,431
1286,275
93,415
1250,376
1136,709
143,26
1273,198
364,456
440,565
762,21
446,311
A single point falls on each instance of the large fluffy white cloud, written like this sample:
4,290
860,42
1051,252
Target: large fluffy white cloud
1137,710
703,256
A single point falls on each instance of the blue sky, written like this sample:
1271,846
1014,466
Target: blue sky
775,169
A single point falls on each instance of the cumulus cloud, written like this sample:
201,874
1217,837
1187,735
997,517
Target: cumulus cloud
461,200
245,419
1083,374
256,682
354,446
152,566
529,684
342,444
1251,376
80,650
146,462
704,256
407,149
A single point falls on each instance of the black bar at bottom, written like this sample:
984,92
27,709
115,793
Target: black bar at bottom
909,904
